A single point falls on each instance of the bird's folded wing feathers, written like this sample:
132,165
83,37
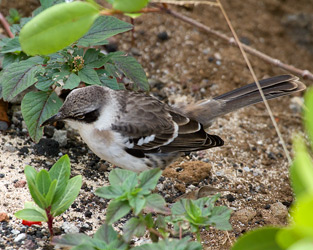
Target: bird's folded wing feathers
148,124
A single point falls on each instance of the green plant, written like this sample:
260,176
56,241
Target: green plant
46,54
299,234
131,192
13,17
52,191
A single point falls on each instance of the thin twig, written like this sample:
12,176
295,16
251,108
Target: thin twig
256,81
6,25
175,2
306,74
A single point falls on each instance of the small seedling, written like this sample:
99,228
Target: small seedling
52,191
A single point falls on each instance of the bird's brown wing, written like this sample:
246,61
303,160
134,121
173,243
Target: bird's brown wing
150,125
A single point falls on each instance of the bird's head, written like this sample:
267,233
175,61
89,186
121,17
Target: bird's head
82,105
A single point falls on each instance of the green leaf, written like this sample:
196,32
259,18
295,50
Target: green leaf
13,45
118,176
149,178
57,27
103,28
69,240
51,192
61,171
260,239
43,182
30,174
304,244
91,55
30,215
116,210
72,81
137,202
68,197
32,205
179,207
220,218
287,236
10,58
156,203
133,227
19,76
89,76
131,68
301,213
44,83
111,82
106,233
129,6
36,108
109,192
301,170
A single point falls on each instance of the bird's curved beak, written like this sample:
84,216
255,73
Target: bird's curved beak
56,117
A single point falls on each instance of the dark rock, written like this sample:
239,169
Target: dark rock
230,197
47,147
163,36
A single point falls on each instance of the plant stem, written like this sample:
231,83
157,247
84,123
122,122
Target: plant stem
6,25
50,221
198,235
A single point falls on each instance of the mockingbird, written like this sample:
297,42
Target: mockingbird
136,131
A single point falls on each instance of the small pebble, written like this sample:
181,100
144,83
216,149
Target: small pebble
20,237
246,169
69,228
61,137
9,147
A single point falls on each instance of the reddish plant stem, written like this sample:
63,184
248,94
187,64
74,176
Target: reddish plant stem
6,25
50,221
306,74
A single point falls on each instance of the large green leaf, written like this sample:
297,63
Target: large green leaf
301,170
156,203
72,81
68,197
89,76
61,172
19,76
133,227
118,176
131,68
30,215
36,108
13,45
220,218
129,6
31,176
106,233
43,182
110,192
57,27
260,239
103,28
149,178
116,210
51,192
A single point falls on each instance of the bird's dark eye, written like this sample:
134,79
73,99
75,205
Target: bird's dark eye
80,117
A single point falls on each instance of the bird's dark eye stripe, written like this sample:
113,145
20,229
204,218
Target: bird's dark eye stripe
88,117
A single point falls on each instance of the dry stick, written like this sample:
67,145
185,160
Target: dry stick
256,81
5,25
306,74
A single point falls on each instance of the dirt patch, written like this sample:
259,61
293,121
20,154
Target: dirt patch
188,66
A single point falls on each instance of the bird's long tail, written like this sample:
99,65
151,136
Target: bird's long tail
206,111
